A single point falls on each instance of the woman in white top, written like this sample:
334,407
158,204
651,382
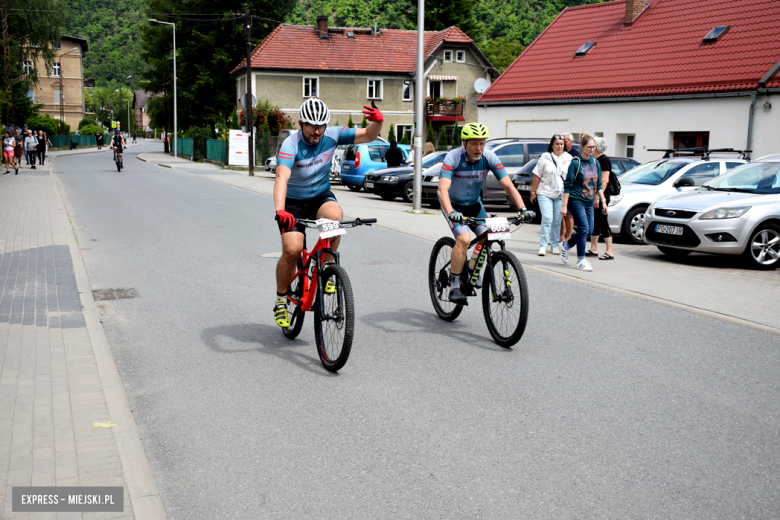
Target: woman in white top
549,173
9,146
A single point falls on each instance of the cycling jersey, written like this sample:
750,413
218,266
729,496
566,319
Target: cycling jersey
310,164
117,141
467,177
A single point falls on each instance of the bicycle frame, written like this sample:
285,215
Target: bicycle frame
311,287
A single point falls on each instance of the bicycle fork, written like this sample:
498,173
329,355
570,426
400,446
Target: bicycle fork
321,287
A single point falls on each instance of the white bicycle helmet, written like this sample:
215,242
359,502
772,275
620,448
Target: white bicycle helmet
314,112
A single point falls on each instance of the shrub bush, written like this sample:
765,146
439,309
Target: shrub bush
46,123
89,120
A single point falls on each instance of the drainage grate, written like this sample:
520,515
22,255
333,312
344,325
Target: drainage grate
114,294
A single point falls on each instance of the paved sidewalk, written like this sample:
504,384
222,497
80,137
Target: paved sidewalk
714,286
57,375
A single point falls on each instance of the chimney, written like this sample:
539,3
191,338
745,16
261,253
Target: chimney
633,9
322,27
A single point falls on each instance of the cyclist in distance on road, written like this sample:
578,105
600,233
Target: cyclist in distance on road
302,187
463,173
118,144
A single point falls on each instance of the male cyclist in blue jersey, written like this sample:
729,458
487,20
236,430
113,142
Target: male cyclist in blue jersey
463,173
302,187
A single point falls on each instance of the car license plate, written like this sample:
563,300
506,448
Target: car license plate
346,167
369,184
668,230
524,187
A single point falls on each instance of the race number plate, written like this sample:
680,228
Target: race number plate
329,228
498,228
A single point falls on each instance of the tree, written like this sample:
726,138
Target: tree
404,139
441,15
442,144
501,52
208,46
456,141
350,124
44,122
429,135
363,123
391,134
37,22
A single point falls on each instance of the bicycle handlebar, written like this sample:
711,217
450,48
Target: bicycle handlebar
512,220
346,223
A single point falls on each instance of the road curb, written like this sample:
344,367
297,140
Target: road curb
141,486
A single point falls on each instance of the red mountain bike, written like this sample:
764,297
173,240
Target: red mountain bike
334,313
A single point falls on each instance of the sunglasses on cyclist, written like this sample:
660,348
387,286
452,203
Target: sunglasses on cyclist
316,128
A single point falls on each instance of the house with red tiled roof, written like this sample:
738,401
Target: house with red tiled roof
648,74
348,67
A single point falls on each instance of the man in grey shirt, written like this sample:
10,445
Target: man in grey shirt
30,145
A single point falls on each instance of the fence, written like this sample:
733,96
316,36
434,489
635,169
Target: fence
216,150
64,141
184,146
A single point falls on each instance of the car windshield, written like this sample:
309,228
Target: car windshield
758,177
528,168
653,173
431,159
377,152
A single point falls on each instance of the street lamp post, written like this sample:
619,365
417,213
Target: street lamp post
175,121
128,105
128,109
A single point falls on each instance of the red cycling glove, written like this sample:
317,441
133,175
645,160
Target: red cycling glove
373,113
285,219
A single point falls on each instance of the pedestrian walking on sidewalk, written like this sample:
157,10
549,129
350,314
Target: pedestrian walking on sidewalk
19,147
567,223
31,145
394,156
43,143
601,224
9,152
547,188
580,190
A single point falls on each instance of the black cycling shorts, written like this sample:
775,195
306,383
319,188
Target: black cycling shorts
304,209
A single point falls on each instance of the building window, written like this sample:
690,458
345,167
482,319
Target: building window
404,130
434,89
57,45
310,87
34,45
375,89
27,68
407,90
56,71
31,95
684,140
630,145
57,96
447,55
460,56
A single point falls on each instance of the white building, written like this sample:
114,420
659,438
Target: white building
648,74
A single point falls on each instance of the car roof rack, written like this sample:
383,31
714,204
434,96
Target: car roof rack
704,152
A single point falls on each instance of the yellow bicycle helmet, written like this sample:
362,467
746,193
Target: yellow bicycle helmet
474,131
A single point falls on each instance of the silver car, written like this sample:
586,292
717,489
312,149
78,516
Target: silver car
657,180
735,214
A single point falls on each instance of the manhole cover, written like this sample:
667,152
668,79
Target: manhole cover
114,294
275,254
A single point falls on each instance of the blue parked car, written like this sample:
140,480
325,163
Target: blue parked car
362,159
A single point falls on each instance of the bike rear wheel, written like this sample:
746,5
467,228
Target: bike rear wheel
439,279
118,165
333,331
506,313
294,311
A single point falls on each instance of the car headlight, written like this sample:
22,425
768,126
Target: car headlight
614,200
386,178
435,180
725,213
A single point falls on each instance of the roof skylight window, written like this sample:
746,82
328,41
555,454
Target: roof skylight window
715,34
350,34
585,49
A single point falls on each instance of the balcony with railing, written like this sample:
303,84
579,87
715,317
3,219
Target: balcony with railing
444,109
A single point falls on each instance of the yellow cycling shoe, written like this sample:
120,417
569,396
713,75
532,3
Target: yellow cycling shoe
330,287
280,315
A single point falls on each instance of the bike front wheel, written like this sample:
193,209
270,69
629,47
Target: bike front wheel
294,309
439,279
506,312
118,166
333,329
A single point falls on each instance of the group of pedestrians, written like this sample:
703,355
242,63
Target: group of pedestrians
573,189
29,144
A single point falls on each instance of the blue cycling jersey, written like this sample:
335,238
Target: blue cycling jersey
468,177
310,164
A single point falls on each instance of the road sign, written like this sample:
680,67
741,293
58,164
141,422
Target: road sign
245,100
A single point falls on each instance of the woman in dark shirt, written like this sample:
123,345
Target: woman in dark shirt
601,224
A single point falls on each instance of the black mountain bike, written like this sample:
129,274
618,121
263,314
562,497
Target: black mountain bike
118,160
504,288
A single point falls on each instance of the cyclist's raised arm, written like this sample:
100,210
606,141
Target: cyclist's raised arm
366,135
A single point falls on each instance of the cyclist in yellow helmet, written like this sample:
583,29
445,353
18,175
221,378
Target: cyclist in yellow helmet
463,174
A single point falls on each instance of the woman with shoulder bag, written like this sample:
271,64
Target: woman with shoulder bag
547,187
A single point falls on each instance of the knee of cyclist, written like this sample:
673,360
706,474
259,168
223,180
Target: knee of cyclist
292,250
463,241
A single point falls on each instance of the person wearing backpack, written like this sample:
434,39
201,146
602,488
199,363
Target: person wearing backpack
581,189
600,222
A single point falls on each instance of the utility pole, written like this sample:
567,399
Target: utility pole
249,119
419,107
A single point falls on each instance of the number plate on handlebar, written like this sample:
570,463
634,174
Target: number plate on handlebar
329,228
498,228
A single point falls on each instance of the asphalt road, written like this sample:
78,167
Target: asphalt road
609,407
